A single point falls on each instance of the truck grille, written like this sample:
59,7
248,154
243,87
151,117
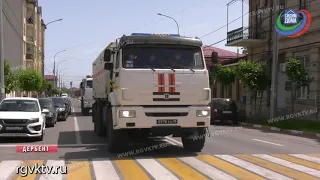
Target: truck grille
166,114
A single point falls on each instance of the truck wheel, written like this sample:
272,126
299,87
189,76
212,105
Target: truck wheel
85,112
99,128
195,141
116,138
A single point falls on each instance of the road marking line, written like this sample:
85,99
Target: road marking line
254,168
305,157
78,170
131,170
229,168
298,161
276,167
156,169
76,128
7,167
104,170
174,141
54,164
181,169
267,142
289,164
206,169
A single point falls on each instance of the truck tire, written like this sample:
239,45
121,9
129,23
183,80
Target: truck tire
99,128
116,138
85,111
195,141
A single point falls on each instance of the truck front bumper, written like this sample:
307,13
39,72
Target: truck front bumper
146,117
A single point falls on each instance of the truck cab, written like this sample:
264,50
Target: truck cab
86,95
159,86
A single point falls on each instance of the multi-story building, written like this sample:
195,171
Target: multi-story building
258,39
23,31
23,34
34,36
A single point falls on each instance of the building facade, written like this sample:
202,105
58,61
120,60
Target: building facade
258,39
23,32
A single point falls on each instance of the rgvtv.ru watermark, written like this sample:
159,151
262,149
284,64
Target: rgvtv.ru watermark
143,150
40,169
292,116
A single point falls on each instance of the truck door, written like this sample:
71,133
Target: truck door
116,77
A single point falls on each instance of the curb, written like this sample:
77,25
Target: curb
287,131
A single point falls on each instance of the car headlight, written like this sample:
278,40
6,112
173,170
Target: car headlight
127,114
62,109
34,120
203,113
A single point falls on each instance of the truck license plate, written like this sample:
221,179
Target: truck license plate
14,128
167,121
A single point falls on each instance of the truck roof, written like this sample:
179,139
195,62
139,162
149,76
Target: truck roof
155,39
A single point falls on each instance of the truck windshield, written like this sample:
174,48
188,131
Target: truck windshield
89,84
162,57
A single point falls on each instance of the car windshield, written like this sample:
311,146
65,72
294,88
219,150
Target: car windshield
162,57
45,103
20,105
58,101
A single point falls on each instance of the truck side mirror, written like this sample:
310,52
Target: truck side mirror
108,66
107,55
214,57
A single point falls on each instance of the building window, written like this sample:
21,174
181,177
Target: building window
303,4
259,94
303,92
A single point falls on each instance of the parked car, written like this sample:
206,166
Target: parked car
223,110
51,116
22,117
61,106
64,95
69,104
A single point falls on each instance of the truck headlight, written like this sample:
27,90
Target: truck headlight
127,114
203,113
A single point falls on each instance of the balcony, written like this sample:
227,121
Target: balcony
246,37
29,56
32,1
30,39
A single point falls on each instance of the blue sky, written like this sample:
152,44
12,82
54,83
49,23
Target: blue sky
89,26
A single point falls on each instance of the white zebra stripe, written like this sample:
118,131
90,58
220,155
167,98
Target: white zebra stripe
305,157
156,169
206,169
289,164
103,169
7,168
53,163
254,168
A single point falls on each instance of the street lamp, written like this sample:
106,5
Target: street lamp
54,68
53,22
172,19
60,80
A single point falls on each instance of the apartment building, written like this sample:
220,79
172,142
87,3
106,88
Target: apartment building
257,38
23,34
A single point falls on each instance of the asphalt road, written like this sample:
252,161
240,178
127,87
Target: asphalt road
224,150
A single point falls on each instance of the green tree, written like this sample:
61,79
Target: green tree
55,92
29,80
225,75
44,86
254,77
244,50
9,78
298,77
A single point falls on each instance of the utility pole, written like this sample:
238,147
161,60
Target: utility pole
54,68
2,85
274,70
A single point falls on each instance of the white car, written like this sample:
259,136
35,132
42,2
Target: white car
64,95
22,117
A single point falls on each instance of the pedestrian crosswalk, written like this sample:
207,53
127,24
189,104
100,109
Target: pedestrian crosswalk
200,167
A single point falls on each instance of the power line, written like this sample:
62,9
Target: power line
153,22
13,13
253,26
9,20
